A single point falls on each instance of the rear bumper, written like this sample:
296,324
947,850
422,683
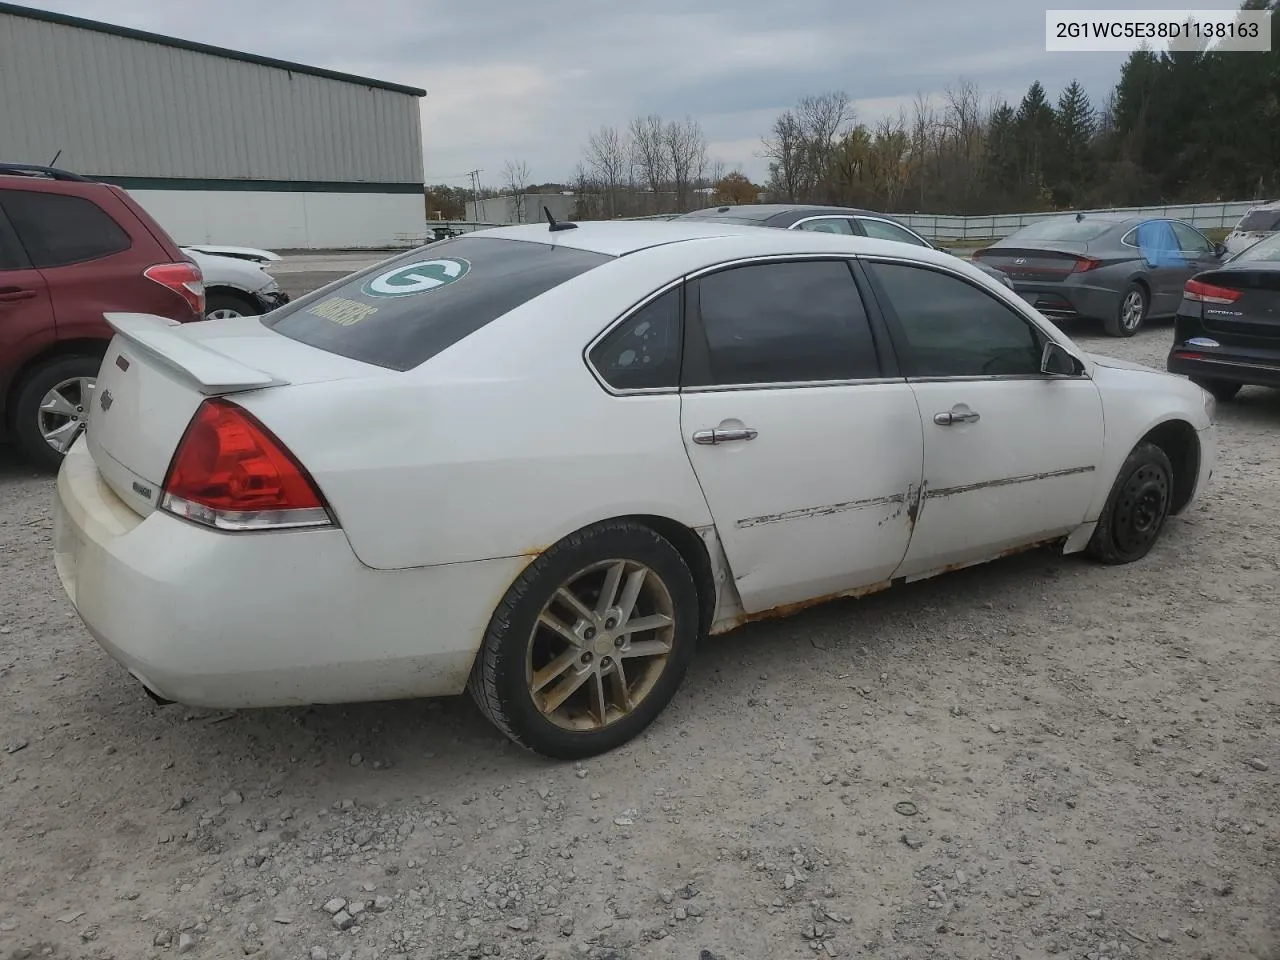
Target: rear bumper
1253,368
1068,301
230,621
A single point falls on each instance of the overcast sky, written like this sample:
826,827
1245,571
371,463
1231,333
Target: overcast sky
529,81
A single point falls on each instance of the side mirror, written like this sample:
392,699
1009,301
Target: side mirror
1055,361
1219,249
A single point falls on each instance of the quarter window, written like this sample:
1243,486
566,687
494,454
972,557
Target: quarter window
643,352
57,230
950,328
783,322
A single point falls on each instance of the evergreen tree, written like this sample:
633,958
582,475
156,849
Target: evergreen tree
1074,160
1035,133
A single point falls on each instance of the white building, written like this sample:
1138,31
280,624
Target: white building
219,146
527,208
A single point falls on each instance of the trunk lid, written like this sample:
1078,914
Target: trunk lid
156,373
1255,315
1049,263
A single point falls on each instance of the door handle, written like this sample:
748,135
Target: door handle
14,294
959,415
711,437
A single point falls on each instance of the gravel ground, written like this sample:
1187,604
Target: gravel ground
1036,757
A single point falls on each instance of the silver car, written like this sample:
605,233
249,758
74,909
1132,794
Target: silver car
1120,270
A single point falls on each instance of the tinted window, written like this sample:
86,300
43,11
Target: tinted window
1190,240
1061,228
643,352
783,323
953,329
827,225
1262,221
11,255
884,230
57,230
401,313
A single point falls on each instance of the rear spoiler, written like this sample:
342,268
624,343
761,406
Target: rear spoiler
163,340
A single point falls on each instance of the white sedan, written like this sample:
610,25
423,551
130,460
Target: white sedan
539,463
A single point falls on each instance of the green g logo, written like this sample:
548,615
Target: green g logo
415,278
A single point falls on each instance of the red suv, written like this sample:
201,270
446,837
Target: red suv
72,249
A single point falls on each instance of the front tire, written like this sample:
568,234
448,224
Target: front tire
590,643
1136,509
1131,314
1223,390
222,304
52,408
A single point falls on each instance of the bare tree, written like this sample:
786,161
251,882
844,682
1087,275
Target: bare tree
784,150
516,176
649,155
585,195
608,156
821,121
687,151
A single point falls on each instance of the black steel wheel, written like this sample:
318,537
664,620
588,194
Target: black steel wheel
1137,508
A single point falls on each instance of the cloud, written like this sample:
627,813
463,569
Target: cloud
529,82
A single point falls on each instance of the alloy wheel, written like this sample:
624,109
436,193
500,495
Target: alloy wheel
600,644
64,411
1131,310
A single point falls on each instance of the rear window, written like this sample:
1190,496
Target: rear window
1067,228
403,312
1260,221
1267,250
57,230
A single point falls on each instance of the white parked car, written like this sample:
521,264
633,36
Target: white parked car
540,464
1259,223
235,282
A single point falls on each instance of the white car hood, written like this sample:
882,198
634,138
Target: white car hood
1116,364
231,272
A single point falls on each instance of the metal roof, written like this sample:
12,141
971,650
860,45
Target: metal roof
109,28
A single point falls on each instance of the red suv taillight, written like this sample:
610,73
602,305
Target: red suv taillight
230,472
184,279
1208,293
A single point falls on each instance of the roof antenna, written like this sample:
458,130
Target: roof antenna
55,159
553,224
1079,217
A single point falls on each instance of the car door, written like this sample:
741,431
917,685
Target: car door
26,311
807,450
1197,251
1010,454
1166,265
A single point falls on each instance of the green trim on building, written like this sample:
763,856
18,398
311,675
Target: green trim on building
261,186
63,19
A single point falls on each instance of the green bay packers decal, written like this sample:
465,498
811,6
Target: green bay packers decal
415,278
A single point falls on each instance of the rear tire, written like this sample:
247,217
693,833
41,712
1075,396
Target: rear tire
67,377
1131,314
1223,390
587,686
1136,509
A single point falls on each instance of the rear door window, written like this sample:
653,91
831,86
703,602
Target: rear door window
58,230
884,230
402,312
826,225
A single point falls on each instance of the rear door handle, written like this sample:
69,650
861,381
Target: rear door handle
958,414
724,435
14,294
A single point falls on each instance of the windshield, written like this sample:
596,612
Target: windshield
1267,250
1259,221
1062,228
400,313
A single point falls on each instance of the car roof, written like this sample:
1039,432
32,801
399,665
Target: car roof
618,238
766,211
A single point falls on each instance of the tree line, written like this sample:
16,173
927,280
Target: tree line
1192,124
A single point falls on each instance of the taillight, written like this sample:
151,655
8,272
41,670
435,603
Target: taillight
1208,293
1085,263
230,472
979,254
184,279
